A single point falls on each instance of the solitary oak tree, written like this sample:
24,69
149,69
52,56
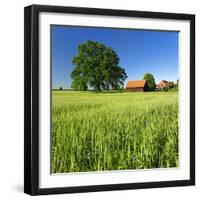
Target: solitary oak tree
97,66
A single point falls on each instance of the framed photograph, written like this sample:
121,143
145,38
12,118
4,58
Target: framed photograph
109,99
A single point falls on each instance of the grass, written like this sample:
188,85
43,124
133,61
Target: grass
114,131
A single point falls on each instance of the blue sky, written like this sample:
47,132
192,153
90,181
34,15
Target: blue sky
140,51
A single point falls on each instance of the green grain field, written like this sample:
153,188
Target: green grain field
113,131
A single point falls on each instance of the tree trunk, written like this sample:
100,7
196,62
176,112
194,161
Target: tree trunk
98,88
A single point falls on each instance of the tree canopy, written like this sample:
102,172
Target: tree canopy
150,81
97,66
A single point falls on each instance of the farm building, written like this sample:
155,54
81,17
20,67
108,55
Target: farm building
164,84
136,86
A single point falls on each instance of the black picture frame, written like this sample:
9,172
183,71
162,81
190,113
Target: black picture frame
31,99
